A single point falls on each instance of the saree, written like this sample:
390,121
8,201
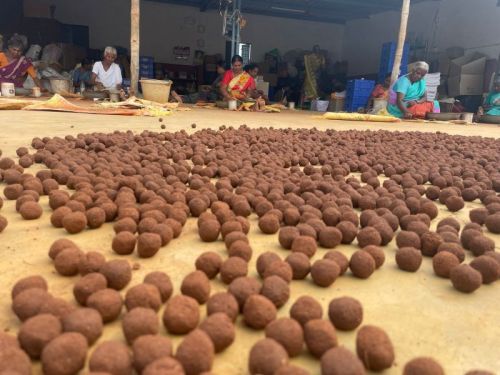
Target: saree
493,100
239,85
412,92
313,64
15,71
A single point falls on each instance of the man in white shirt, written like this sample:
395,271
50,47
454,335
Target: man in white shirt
106,74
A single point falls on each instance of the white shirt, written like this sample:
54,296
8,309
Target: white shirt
109,78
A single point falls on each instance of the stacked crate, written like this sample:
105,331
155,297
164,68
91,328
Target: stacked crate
358,93
387,59
146,67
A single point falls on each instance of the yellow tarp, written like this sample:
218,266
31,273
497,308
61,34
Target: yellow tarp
358,117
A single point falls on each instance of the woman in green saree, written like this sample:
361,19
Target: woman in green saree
313,62
492,103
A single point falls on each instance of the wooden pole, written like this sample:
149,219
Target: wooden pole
405,12
135,15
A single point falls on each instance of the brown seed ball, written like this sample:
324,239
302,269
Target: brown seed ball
369,236
258,312
71,346
423,366
143,295
220,328
338,258
266,357
409,259
465,278
165,365
345,313
287,332
14,361
38,331
305,245
181,315
196,285
319,336
197,206
126,224
330,237
74,222
90,262
57,306
209,263
324,272
108,302
225,303
3,223
488,267
240,249
86,321
233,268
287,235
96,217
67,261
138,322
408,239
453,248
147,349
29,283
165,232
148,244
88,285
12,192
58,215
339,361
111,357
374,348
117,272
264,260
242,288
467,236
479,372
291,370
29,302
300,265
430,243
305,309
349,231
377,254
31,211
196,353
454,203
478,215
281,269
209,230
276,290
162,282
269,224
481,244
123,243
233,237
362,264
443,263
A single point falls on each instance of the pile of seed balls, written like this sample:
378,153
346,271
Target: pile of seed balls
312,188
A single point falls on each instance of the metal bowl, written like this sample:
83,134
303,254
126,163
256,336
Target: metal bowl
443,116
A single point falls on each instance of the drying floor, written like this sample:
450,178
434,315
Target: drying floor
423,315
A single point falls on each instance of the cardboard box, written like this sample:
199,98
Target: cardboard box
470,64
465,84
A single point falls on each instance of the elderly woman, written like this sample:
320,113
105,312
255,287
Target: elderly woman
106,74
408,97
491,105
14,66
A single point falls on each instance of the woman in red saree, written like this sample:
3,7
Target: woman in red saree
237,84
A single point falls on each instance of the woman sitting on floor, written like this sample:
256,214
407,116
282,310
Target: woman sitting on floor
408,97
491,105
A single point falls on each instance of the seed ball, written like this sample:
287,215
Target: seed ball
162,282
478,215
340,360
96,217
467,236
264,260
36,332
197,206
430,243
230,226
71,346
377,254
90,262
8,341
176,227
300,265
443,263
126,224
225,303
220,329
12,192
149,348
240,249
362,264
111,357
143,295
281,269
479,372
3,223
123,243
494,255
67,261
453,248
29,302
266,357
338,258
28,283
108,302
58,199
481,244
408,259
369,236
305,245
423,366
196,285
209,263
488,267
287,332
57,307
324,272
258,312
181,315
305,309
349,231
291,370
148,244
88,285
196,353
450,237
164,231
287,235
330,237
14,361
307,230
58,215
74,222
233,268
269,224
276,290
408,239
319,336
465,278
244,287
209,230
31,211
345,313
118,273
374,348
138,322
165,365
454,203
233,237
86,321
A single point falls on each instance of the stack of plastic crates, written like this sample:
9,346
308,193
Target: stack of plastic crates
146,67
358,93
387,59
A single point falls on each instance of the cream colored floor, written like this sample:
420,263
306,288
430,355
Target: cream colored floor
422,314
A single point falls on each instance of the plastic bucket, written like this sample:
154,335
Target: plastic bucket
233,105
156,90
8,89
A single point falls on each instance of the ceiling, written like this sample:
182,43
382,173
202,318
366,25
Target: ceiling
333,11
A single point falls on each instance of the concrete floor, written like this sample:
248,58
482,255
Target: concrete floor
423,315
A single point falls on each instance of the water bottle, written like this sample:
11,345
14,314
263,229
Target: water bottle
82,87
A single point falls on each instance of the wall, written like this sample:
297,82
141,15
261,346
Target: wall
473,25
164,26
